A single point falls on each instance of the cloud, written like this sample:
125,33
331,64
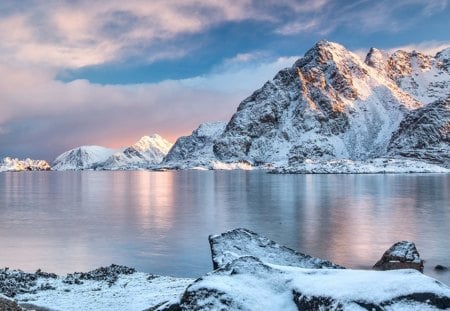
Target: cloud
81,33
426,47
359,16
45,117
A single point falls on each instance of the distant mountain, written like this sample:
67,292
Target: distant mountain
331,105
82,158
15,165
148,151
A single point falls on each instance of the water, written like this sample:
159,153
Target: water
158,222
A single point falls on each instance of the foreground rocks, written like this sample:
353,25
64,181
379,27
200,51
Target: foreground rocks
251,272
401,255
8,304
249,284
236,243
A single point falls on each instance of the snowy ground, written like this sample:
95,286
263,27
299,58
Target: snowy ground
374,166
133,291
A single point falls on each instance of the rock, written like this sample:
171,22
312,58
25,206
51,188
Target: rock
249,284
440,268
108,274
236,243
401,255
7,304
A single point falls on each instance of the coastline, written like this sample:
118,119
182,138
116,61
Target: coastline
248,268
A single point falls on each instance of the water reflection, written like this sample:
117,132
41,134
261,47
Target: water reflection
159,221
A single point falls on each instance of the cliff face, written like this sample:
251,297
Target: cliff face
424,134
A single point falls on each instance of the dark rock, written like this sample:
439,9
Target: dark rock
9,305
401,255
236,243
305,302
108,274
440,268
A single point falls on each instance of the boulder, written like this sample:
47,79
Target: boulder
441,268
247,283
236,243
7,304
401,255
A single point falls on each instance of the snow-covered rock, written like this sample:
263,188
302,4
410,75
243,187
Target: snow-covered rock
148,151
247,283
330,105
372,166
7,304
15,165
425,134
106,288
424,77
401,255
236,243
81,158
195,150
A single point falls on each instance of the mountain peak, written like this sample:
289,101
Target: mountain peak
148,142
376,58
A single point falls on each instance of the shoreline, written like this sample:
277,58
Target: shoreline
242,261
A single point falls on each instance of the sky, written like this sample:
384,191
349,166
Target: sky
84,72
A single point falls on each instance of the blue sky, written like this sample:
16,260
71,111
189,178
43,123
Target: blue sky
107,72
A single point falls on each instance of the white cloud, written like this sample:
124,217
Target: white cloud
39,110
427,47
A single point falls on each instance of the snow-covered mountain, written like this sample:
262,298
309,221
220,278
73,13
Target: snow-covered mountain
15,165
81,158
331,105
196,149
149,150
425,134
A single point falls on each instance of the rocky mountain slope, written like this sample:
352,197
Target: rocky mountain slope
331,105
196,149
15,165
148,151
81,158
424,134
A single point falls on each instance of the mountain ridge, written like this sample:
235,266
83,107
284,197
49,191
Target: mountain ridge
331,105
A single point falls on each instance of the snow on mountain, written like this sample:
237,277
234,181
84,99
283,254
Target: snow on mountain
195,150
149,150
424,77
15,165
81,158
425,134
329,105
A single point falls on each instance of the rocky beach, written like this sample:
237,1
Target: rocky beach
250,272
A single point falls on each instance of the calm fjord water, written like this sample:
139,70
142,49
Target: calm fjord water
159,222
